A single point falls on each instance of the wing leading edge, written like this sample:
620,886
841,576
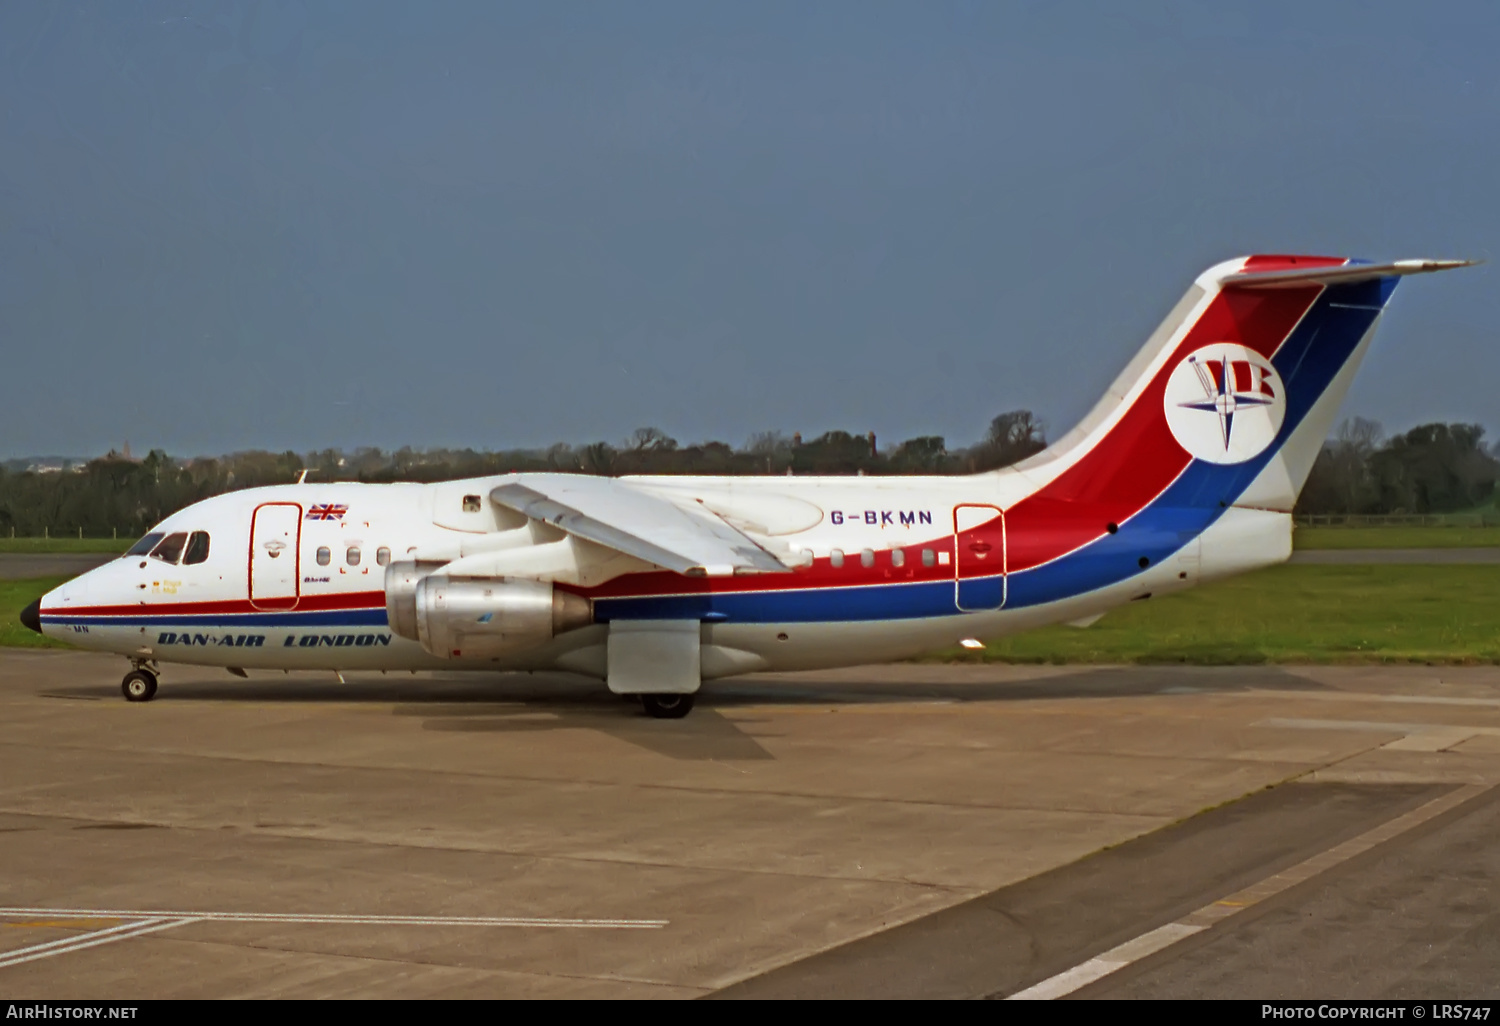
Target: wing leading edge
686,539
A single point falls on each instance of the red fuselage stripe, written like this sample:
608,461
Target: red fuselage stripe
1139,458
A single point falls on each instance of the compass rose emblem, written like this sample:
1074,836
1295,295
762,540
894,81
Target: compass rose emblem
1225,403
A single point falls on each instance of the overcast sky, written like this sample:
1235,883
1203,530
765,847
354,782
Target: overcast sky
296,225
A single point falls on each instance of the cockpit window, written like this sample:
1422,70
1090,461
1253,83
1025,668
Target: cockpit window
145,545
170,550
197,548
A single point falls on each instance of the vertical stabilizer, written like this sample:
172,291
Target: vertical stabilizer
1225,406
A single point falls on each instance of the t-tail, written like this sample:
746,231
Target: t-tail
1193,460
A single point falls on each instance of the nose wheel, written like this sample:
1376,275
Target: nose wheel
139,686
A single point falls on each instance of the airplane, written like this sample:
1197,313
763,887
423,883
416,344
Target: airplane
1186,471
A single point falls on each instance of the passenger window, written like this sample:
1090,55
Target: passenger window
145,545
352,555
866,557
324,556
898,557
836,558
197,548
471,504
170,550
382,555
929,558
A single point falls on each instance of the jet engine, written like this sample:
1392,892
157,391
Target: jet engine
401,580
479,617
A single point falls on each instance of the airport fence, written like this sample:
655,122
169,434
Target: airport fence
1489,518
48,534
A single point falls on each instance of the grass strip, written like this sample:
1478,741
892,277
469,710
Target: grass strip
1436,615
16,596
1396,537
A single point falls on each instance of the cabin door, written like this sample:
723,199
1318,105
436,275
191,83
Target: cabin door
275,533
978,557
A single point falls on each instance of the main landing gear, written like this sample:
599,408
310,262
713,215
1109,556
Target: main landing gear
668,707
139,684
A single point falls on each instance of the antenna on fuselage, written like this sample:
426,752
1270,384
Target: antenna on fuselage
302,477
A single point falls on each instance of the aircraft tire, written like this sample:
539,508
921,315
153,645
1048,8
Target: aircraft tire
139,686
668,707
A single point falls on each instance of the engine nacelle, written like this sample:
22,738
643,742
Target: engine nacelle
401,580
485,617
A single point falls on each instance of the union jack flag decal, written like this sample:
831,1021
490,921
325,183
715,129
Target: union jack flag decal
327,511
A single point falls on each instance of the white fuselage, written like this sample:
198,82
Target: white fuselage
850,601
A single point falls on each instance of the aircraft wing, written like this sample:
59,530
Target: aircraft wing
677,535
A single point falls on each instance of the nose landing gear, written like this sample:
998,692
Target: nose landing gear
139,684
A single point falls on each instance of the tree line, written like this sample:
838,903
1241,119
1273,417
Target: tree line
1432,468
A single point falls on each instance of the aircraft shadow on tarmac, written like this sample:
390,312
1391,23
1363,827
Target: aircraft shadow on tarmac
522,703
710,736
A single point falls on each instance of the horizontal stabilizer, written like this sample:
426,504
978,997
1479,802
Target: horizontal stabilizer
1339,274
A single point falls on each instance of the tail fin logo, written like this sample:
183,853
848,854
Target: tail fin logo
1225,403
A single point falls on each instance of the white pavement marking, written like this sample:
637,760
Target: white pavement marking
335,919
1101,966
1371,696
1416,737
88,940
146,921
1163,937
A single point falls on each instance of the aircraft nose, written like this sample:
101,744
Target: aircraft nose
31,616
